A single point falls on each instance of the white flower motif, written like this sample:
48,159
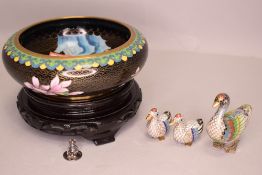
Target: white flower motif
55,88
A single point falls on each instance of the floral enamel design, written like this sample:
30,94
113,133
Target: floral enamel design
55,88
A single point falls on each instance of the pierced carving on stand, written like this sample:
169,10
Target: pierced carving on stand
99,126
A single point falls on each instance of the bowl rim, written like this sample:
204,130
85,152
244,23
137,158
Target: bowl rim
19,46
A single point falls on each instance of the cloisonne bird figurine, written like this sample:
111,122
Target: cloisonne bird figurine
225,128
186,132
158,125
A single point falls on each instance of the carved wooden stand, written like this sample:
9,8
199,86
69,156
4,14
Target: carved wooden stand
96,119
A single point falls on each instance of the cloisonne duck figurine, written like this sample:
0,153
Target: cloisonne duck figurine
225,128
186,132
158,126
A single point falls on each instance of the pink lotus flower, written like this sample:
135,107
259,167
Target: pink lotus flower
55,88
36,87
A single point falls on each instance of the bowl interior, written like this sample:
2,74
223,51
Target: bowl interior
43,38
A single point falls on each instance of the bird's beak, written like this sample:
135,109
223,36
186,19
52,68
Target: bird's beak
149,117
216,104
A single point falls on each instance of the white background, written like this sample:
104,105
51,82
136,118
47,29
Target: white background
197,48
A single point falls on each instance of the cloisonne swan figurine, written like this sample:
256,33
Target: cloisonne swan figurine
225,128
186,132
158,126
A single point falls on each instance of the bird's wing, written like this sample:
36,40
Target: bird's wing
195,133
166,125
235,122
195,127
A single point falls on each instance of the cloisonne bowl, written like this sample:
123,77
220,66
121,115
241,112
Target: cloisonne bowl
75,55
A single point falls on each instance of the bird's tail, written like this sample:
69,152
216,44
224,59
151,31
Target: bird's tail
201,125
